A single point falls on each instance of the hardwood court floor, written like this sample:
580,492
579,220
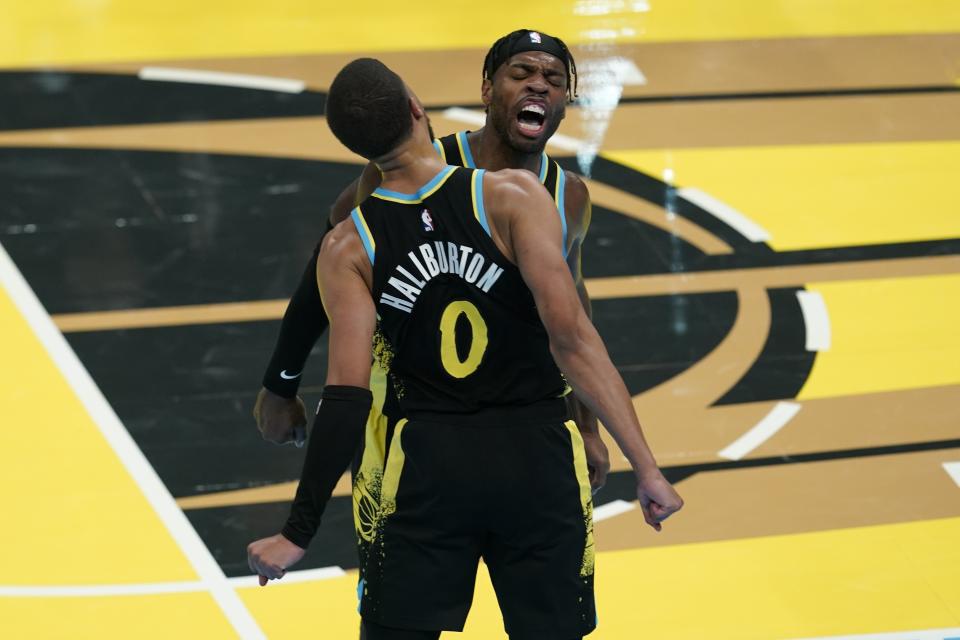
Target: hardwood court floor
774,261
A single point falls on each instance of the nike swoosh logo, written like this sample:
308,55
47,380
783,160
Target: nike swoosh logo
283,374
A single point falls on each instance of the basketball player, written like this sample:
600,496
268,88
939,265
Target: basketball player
528,77
460,275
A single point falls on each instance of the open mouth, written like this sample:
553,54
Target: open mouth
532,119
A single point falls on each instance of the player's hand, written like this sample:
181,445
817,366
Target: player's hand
280,420
598,460
270,557
658,499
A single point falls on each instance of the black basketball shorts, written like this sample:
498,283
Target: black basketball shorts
439,494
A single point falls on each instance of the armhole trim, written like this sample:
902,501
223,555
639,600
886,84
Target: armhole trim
476,195
365,236
439,147
464,147
561,205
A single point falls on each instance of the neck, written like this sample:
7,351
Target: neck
491,153
409,166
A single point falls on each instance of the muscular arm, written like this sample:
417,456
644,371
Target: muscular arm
342,414
529,232
344,277
578,212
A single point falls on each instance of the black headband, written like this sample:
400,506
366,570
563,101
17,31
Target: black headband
528,40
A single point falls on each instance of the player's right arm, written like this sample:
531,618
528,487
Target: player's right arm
278,411
344,275
527,230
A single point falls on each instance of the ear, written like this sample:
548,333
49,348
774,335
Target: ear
486,92
416,109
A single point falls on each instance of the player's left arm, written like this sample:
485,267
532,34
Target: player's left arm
526,229
578,210
344,277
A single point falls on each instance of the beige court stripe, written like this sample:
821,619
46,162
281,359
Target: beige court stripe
171,316
599,289
280,492
768,277
797,498
855,61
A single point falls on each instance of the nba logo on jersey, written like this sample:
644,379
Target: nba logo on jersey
535,37
427,220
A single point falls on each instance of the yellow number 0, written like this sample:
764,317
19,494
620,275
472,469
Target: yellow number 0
448,339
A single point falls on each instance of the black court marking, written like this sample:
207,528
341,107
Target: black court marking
186,395
57,99
651,339
228,530
784,364
617,245
98,229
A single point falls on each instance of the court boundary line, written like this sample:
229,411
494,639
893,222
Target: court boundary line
155,588
221,79
129,454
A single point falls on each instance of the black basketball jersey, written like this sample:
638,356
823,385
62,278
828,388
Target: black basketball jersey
455,150
458,329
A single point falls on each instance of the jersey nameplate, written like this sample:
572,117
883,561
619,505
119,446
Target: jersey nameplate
431,260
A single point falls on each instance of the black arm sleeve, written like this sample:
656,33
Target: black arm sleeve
337,432
303,323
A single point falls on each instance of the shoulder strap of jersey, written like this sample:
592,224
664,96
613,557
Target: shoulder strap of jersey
545,168
454,150
559,197
476,197
360,222
554,178
438,145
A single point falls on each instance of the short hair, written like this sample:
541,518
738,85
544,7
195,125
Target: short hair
368,109
502,50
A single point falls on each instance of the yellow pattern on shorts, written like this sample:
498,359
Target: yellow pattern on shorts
586,496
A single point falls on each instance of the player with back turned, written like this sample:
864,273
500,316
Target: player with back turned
460,274
528,78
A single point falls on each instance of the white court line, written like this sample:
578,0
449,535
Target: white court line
953,469
195,76
126,450
747,227
611,509
479,118
925,634
817,320
625,70
307,575
102,590
778,417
